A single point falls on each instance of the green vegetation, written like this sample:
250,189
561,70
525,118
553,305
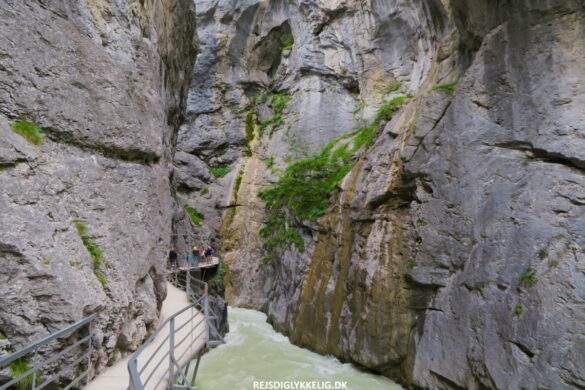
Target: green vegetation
278,103
258,99
286,42
46,261
553,263
449,87
269,162
528,160
20,367
298,145
33,133
195,215
219,171
421,222
2,336
410,264
100,277
393,86
94,250
114,357
518,309
303,189
238,183
205,191
562,236
250,125
542,253
389,108
528,277
10,165
358,107
74,263
223,269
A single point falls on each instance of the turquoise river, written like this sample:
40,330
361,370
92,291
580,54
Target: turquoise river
255,352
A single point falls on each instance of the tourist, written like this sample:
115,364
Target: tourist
196,256
202,254
173,258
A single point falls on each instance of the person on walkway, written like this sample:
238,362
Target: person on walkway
202,254
173,258
196,256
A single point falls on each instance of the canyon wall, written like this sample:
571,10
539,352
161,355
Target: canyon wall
86,212
451,255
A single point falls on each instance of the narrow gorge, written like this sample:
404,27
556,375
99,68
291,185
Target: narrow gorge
396,183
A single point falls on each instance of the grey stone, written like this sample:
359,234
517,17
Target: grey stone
107,82
418,270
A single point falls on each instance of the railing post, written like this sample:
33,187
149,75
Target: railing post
194,377
187,282
206,311
171,351
90,341
34,374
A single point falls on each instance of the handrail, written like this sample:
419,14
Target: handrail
135,380
179,353
5,361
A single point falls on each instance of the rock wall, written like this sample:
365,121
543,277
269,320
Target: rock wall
107,82
451,256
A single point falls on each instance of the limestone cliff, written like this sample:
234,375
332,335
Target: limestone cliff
451,254
91,96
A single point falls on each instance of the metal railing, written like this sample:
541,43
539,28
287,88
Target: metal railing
164,360
32,374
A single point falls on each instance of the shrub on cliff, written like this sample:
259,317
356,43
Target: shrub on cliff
94,250
219,172
278,103
195,215
286,42
20,367
33,133
303,190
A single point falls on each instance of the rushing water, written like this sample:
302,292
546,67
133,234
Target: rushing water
255,352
